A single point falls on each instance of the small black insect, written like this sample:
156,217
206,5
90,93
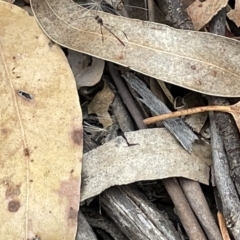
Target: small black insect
24,95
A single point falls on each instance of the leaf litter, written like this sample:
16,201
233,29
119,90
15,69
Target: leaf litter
111,158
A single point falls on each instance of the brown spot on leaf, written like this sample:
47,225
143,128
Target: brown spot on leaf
35,238
193,67
50,43
12,190
213,73
13,206
26,152
120,57
71,191
72,214
198,82
4,131
77,136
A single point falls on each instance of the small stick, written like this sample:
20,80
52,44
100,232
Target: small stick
232,109
223,227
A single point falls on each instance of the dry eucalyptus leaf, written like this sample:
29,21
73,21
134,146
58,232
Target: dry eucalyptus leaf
41,133
234,15
199,61
152,154
100,105
9,1
87,70
201,12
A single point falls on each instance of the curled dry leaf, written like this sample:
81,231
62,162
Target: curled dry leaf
234,15
87,70
152,154
201,12
40,133
199,61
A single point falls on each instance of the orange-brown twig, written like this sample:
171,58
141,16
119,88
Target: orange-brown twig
222,226
232,109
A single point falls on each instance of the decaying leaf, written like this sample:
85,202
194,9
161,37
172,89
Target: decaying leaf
40,133
199,61
152,154
234,15
100,105
201,12
87,70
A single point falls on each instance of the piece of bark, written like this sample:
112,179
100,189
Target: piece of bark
137,218
122,115
96,220
176,14
183,210
225,186
176,126
198,203
231,141
84,231
225,122
88,143
218,22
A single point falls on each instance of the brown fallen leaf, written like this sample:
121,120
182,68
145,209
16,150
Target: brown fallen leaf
201,12
232,109
143,155
234,15
100,105
197,59
40,133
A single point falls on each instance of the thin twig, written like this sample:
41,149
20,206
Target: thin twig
151,13
198,203
229,109
126,97
183,209
223,227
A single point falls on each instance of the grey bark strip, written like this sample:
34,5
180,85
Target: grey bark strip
225,186
189,59
176,125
